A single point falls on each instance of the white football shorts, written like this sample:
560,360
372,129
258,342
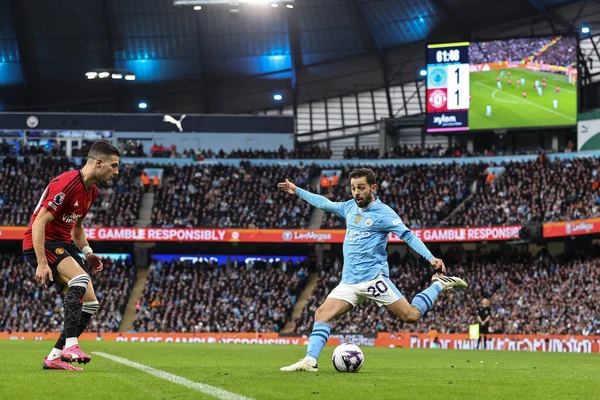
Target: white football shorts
381,290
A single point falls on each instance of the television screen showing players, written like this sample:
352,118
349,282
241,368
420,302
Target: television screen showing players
516,83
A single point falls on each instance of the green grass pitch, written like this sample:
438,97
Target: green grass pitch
510,109
253,371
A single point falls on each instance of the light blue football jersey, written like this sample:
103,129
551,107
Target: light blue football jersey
367,229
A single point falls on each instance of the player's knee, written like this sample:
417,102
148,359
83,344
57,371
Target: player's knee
323,315
408,314
78,286
320,315
412,318
82,281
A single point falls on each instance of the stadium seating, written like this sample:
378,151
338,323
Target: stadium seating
527,294
27,307
22,185
515,49
245,196
536,191
311,153
204,297
361,153
118,203
422,195
227,196
405,151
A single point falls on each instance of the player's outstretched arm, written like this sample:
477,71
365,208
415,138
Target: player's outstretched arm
313,199
417,245
396,226
80,240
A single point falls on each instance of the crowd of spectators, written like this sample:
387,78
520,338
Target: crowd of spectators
27,149
159,151
118,203
208,297
416,151
532,295
422,195
503,50
562,53
27,307
535,191
538,294
371,153
23,183
228,196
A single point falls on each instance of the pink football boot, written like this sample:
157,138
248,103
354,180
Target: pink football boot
57,363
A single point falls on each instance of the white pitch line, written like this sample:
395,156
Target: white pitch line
501,100
530,102
199,387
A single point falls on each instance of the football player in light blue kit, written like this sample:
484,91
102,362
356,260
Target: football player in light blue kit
366,272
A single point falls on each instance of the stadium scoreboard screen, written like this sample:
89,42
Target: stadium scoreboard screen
516,83
448,87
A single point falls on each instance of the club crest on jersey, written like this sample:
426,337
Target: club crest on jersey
368,221
71,218
357,219
59,198
59,251
89,204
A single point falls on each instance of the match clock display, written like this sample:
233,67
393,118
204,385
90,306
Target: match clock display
448,87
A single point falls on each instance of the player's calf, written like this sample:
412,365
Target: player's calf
73,307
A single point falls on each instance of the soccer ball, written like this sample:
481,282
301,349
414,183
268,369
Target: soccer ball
347,357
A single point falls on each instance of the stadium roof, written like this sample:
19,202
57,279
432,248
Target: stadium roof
215,60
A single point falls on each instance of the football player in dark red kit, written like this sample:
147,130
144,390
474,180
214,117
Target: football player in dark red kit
56,222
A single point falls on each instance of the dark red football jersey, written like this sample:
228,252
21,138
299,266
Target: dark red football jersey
67,199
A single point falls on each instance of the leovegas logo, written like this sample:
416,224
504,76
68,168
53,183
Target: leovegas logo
572,228
581,226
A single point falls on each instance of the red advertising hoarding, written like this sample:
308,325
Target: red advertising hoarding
572,228
273,235
429,235
542,343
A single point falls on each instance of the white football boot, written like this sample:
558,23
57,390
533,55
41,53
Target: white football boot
449,282
304,364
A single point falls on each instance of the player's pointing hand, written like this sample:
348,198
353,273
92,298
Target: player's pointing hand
43,273
287,187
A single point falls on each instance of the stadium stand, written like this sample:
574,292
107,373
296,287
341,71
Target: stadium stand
118,203
412,151
422,195
22,185
527,295
27,307
133,149
227,196
536,191
207,297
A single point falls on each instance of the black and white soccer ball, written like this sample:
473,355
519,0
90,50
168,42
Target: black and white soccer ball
347,357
